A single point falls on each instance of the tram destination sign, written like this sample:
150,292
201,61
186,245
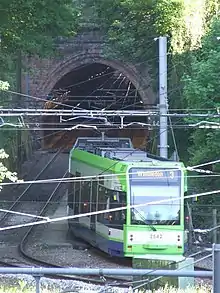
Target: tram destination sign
144,174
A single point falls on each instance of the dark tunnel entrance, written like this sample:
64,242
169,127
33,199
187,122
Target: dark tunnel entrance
93,86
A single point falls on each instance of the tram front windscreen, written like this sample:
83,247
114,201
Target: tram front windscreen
162,186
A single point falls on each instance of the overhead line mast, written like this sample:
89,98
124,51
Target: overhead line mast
163,96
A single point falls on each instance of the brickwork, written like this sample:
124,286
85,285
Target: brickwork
85,48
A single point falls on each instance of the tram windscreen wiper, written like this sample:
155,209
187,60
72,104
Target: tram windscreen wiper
144,220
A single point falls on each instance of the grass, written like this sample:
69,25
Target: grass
22,286
202,288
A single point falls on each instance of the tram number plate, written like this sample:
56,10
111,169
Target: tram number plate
156,236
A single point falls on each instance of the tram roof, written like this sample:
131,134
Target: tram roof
120,149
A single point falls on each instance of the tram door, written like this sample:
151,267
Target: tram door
93,198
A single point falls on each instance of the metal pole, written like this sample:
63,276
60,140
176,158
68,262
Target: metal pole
216,268
37,280
105,271
18,104
214,213
190,227
163,95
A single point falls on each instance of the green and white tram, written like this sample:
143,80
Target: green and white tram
126,177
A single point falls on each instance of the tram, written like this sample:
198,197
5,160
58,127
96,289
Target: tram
147,192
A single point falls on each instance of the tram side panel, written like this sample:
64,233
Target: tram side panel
104,230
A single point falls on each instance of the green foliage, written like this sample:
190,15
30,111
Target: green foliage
31,26
131,25
4,172
202,288
201,91
4,85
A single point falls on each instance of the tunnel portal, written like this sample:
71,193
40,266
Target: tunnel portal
93,86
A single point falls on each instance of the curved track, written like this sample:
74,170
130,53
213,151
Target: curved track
22,196
41,208
19,257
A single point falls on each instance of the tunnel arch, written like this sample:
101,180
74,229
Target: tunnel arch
140,79
75,63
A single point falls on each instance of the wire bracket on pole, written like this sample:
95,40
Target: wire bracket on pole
101,275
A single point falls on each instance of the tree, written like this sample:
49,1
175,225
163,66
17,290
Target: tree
31,26
4,85
131,25
4,172
201,91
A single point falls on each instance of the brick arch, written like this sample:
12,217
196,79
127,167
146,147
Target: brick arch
140,79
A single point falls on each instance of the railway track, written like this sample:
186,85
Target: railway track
15,253
22,258
23,195
39,262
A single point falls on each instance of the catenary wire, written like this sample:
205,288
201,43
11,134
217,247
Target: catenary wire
136,64
159,134
101,175
52,220
62,104
99,127
96,177
156,269
158,278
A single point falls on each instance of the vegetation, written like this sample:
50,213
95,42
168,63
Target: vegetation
167,289
132,25
27,285
201,91
22,287
29,27
4,172
32,27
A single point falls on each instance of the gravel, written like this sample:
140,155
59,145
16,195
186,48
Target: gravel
51,244
54,286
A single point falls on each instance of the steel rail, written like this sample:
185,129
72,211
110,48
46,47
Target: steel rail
33,260
24,239
47,264
15,203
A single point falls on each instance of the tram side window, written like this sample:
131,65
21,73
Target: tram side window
94,195
77,194
85,196
117,218
71,186
110,199
102,203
